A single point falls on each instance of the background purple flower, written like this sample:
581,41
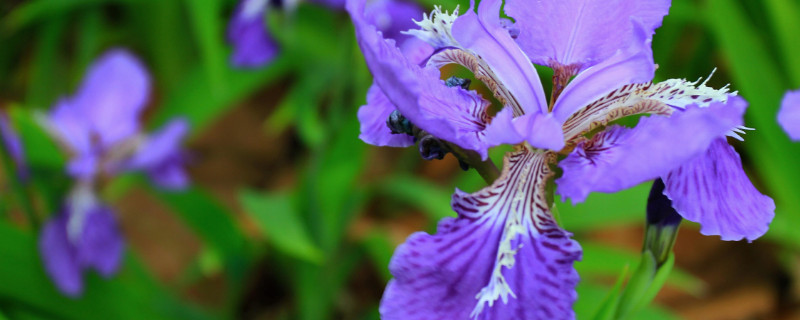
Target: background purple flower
104,112
97,244
253,46
789,114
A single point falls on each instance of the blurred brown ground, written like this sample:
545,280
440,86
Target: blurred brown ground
743,281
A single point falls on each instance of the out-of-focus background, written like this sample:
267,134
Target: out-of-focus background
290,216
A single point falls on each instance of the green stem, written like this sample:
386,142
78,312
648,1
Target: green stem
486,168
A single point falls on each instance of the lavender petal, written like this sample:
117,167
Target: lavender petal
712,189
581,33
253,46
101,245
504,257
789,114
619,157
59,257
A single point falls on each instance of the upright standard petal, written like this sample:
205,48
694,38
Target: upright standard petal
483,35
789,114
713,190
59,257
634,64
112,96
253,46
101,245
581,33
448,113
619,157
504,257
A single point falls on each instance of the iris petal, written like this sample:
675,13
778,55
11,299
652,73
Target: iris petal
112,96
253,46
503,257
789,115
634,64
581,33
619,157
59,257
713,190
483,35
451,114
101,246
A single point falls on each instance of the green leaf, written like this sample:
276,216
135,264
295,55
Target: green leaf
331,193
277,218
214,223
601,261
47,73
40,148
207,24
603,209
785,18
380,250
432,199
30,12
610,304
644,284
197,101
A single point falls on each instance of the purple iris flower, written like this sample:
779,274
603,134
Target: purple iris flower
504,256
100,127
254,46
789,114
83,236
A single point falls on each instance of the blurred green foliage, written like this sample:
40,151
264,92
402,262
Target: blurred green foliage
305,230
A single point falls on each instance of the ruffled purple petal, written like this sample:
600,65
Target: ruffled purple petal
451,114
581,33
73,129
504,257
789,115
59,257
112,96
483,35
632,65
101,245
162,157
392,17
374,114
372,117
712,189
253,46
619,157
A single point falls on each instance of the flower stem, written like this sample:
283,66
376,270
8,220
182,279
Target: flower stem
486,168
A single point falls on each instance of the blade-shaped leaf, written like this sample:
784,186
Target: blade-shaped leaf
279,220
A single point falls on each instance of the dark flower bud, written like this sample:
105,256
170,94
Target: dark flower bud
398,124
431,148
662,223
659,207
458,82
